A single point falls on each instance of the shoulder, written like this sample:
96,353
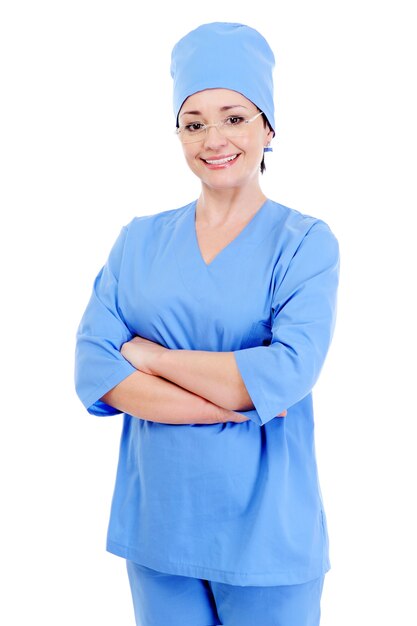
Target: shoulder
294,234
147,235
291,229
157,221
295,222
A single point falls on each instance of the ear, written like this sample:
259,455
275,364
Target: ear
268,137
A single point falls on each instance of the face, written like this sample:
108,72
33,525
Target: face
219,161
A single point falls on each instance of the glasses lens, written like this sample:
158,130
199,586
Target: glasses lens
190,134
232,126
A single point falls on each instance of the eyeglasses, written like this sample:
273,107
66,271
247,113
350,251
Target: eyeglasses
232,126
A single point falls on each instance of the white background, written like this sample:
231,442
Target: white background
87,143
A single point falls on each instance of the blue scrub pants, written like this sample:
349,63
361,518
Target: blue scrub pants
166,600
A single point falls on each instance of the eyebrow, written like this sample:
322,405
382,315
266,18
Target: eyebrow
225,108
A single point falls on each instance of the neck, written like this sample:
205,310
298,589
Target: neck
217,207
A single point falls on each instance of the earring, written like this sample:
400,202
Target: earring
267,148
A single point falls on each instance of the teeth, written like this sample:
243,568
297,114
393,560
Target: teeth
220,161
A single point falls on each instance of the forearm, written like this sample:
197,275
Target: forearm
211,375
155,399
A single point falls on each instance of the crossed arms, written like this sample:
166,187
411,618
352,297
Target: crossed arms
180,386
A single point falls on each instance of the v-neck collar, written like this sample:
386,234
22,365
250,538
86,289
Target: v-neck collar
202,280
242,235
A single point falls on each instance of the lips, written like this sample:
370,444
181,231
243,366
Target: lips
221,161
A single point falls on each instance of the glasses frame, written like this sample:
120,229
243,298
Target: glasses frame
202,133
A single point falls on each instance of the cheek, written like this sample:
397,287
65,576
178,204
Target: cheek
189,155
252,145
254,150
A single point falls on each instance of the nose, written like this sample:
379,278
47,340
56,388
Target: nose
214,138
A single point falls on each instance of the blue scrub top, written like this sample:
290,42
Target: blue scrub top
237,503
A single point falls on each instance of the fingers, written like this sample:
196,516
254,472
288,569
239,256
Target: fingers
240,418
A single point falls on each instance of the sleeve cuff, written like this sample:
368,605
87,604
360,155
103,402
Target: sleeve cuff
252,415
263,412
92,401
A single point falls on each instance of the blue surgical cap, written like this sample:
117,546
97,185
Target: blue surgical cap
224,55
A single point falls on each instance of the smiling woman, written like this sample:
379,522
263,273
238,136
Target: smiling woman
233,144
208,327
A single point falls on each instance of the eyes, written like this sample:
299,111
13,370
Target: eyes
196,127
231,126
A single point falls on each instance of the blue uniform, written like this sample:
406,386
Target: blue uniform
236,503
161,599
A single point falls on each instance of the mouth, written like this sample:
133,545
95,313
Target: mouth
221,162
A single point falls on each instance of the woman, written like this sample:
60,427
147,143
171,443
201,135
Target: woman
208,327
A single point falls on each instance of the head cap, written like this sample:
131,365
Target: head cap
224,55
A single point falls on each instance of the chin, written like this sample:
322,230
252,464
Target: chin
222,179
222,185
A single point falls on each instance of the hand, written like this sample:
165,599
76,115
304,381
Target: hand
283,414
142,353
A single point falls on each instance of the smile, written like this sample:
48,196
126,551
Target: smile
222,161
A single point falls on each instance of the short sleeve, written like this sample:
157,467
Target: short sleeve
303,314
99,366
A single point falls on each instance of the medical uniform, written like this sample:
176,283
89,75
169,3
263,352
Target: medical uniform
234,503
165,600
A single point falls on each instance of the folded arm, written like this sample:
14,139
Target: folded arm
211,375
158,400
